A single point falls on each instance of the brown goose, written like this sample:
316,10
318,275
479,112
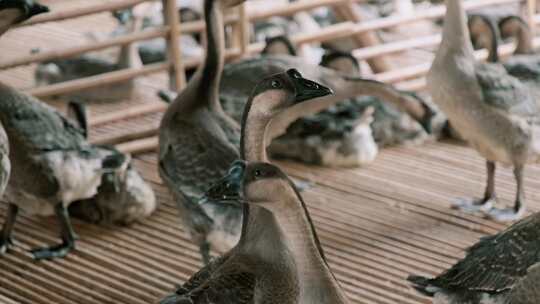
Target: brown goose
500,269
492,110
51,152
198,141
278,258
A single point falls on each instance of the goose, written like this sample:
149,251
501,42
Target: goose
11,13
51,151
499,269
122,198
212,224
278,258
492,110
198,141
343,62
65,69
279,45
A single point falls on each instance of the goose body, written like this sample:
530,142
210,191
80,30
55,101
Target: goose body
198,141
52,163
278,258
499,269
492,110
209,141
61,164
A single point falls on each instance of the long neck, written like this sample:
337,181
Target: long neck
286,237
129,53
456,37
253,138
524,41
345,88
215,53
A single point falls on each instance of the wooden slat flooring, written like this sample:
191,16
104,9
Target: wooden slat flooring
377,224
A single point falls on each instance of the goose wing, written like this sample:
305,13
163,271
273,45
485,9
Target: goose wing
232,284
527,291
36,125
498,262
195,157
505,92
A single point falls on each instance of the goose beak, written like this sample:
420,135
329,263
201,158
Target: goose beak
305,88
37,9
229,188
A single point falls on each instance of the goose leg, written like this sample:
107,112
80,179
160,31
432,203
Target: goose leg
204,248
5,236
68,238
516,212
486,203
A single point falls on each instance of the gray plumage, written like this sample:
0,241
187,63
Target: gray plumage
502,267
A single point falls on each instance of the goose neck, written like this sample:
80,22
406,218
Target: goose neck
456,36
215,52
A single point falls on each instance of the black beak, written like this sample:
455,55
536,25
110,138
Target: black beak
305,88
229,187
36,9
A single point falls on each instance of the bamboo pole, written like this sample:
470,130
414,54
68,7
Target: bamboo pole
127,113
139,146
79,12
111,140
77,50
531,13
347,11
177,76
243,29
197,26
97,80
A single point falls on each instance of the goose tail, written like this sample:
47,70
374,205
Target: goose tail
422,285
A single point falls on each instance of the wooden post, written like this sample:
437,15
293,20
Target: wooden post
177,77
531,13
347,12
243,29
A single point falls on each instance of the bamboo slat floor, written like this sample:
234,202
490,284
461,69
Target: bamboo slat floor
377,224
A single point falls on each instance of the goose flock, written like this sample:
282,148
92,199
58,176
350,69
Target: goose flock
219,134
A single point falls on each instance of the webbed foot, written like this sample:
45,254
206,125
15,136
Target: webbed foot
506,214
56,252
474,205
5,245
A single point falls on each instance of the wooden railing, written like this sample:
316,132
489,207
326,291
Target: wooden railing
374,52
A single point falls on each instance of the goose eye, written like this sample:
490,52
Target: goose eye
276,84
258,173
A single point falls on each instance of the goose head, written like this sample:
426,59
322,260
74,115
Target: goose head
17,11
229,188
262,183
265,185
279,45
516,27
230,3
281,91
343,62
484,34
